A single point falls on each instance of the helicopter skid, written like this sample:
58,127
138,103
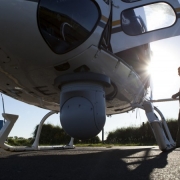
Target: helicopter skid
11,119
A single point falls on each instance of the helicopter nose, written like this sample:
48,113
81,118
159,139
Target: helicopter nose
65,24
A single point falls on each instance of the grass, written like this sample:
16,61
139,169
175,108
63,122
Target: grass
111,145
28,142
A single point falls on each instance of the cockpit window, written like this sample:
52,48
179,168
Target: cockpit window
139,20
65,24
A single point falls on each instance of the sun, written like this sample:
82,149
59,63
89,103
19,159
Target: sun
163,69
162,64
155,66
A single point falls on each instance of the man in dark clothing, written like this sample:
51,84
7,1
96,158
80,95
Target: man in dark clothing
178,133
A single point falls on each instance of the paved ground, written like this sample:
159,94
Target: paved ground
117,163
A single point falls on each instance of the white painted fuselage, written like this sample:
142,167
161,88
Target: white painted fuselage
28,66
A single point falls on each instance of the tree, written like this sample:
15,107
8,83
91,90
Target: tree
51,135
55,135
140,135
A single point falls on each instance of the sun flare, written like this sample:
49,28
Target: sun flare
163,69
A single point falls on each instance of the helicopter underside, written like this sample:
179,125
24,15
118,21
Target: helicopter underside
126,89
84,65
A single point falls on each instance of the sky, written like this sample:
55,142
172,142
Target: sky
166,82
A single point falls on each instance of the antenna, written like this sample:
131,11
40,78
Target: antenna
3,106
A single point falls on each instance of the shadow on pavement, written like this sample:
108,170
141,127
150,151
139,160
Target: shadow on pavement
82,164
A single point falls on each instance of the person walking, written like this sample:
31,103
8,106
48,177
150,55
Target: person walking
178,132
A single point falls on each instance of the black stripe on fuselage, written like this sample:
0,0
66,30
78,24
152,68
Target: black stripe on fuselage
33,0
116,30
178,15
101,24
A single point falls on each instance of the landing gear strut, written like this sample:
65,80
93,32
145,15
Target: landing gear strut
10,121
159,127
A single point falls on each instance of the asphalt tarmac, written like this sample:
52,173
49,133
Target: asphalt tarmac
91,163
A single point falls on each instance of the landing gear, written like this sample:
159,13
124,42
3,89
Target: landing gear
10,121
159,127
70,145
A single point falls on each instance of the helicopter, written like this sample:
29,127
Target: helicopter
86,59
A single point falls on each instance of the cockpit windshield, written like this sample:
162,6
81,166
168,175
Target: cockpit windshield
65,24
